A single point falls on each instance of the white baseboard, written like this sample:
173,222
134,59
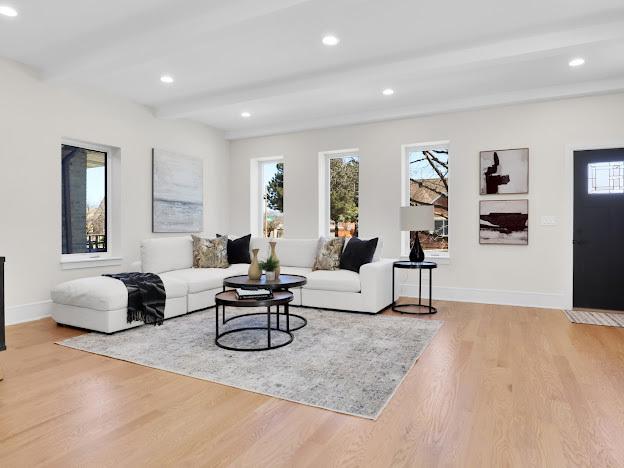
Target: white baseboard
27,312
487,296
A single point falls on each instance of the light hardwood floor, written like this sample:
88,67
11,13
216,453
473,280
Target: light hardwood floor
498,386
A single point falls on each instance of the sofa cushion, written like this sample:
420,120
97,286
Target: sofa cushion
288,270
337,280
238,249
210,253
328,254
291,252
166,254
357,253
105,293
204,279
378,250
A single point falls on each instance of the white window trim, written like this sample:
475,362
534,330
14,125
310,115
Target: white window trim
323,184
255,196
112,257
442,258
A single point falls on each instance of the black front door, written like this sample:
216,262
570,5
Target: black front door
599,229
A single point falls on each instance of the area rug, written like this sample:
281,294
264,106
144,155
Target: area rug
344,362
608,319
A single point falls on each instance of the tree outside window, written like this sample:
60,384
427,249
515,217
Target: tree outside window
273,199
344,187
428,185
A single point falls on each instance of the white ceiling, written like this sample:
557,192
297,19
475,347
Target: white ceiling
266,56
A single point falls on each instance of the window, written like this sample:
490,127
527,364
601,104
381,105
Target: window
341,185
605,177
267,197
426,183
84,194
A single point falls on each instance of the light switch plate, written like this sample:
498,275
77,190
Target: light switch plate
549,221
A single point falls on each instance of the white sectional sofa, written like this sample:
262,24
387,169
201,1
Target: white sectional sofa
99,303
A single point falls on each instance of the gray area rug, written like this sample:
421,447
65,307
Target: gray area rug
608,319
344,362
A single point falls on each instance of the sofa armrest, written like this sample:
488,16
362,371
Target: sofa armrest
376,284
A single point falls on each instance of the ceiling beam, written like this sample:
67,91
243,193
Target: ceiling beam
456,105
156,34
479,54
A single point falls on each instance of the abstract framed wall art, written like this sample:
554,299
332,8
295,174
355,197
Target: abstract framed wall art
504,171
177,192
504,222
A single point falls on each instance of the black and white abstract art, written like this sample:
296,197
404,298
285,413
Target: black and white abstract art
177,192
505,171
504,222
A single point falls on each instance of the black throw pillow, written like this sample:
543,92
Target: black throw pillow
357,253
238,249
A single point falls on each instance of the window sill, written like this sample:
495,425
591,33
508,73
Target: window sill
89,262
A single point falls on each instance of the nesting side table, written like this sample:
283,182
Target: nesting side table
420,266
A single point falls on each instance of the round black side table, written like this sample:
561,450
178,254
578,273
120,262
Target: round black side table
420,266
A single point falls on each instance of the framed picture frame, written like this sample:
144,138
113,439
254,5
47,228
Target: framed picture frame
177,192
504,172
504,222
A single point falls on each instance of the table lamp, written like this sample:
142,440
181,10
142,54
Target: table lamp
417,218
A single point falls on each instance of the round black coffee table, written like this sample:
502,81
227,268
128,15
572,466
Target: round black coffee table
283,283
229,298
420,266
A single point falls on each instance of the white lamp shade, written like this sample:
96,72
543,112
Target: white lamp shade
417,218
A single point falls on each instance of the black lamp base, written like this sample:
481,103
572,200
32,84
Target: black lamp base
417,254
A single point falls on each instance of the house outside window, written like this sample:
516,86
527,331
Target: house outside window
426,183
90,205
84,194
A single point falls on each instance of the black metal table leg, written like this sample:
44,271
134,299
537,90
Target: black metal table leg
419,286
430,294
217,319
269,326
393,302
287,318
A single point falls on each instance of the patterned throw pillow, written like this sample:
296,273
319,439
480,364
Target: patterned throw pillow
210,253
328,254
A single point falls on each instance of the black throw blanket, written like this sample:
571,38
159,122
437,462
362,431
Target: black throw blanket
146,297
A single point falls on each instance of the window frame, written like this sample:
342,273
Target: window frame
257,193
439,257
109,257
324,184
611,191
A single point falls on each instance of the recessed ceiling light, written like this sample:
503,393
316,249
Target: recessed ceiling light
577,62
168,79
245,115
388,92
330,40
8,11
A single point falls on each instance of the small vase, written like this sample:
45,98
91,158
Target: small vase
270,276
273,255
254,271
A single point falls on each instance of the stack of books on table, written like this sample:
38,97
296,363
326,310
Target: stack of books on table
253,293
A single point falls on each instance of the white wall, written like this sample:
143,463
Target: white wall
34,116
537,274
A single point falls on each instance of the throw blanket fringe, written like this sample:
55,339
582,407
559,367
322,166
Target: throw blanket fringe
146,297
